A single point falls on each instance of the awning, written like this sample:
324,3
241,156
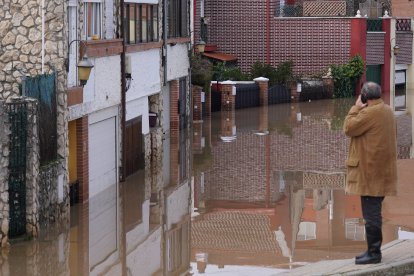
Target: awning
220,56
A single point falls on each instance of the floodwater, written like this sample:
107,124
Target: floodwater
256,191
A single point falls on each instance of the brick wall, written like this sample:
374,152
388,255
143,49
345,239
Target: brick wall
238,27
83,157
313,44
405,41
238,170
375,48
402,8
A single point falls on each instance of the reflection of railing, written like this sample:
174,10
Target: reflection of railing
307,231
353,230
374,25
178,240
403,24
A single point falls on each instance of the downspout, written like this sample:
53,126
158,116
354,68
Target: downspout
123,96
268,31
164,40
43,36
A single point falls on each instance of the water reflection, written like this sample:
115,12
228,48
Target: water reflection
274,196
266,198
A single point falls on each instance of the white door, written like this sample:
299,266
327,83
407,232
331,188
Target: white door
102,155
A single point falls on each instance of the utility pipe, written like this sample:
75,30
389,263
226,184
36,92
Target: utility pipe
123,96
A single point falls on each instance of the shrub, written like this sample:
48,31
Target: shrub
201,71
279,75
346,76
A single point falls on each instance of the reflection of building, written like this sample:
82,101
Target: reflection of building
284,189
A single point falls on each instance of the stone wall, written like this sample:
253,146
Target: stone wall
21,51
4,174
53,208
32,169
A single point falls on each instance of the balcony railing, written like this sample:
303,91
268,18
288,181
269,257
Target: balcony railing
332,8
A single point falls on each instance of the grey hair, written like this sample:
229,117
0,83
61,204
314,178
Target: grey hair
372,90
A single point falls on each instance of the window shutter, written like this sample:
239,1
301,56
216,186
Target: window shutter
184,18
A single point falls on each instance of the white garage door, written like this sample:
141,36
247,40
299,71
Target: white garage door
102,155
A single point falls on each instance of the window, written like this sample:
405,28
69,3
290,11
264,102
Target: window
93,19
178,18
141,23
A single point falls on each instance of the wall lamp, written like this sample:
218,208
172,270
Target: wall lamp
84,65
395,49
201,46
128,73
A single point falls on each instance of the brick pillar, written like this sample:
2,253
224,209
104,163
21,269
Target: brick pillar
388,68
228,100
263,84
174,131
83,240
82,162
197,136
294,94
359,43
174,115
328,85
197,107
228,124
264,118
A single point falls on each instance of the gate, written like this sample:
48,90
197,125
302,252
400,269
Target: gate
215,98
374,73
278,94
17,112
247,95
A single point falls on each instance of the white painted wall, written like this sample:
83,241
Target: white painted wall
178,204
137,108
177,61
141,231
146,79
146,258
103,230
103,88
109,19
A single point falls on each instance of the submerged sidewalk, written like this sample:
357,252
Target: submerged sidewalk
397,259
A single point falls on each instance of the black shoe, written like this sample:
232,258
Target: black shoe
369,258
361,255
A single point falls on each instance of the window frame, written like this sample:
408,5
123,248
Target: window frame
178,18
99,16
145,27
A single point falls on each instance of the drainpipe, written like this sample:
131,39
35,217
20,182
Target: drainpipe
123,96
268,31
164,40
43,36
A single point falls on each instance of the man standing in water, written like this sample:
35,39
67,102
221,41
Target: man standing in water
371,163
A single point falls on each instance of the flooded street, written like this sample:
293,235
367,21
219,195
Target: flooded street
254,191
